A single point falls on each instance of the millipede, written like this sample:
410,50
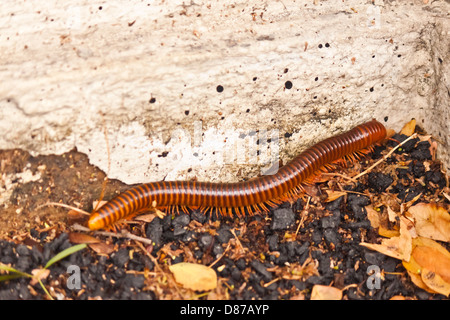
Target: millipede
247,197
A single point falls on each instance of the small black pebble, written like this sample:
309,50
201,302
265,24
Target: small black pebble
198,216
236,274
261,269
331,221
435,177
121,257
22,250
217,249
417,168
334,205
331,236
407,147
224,234
316,236
379,181
357,203
374,258
240,263
181,220
282,219
205,240
179,223
154,230
272,241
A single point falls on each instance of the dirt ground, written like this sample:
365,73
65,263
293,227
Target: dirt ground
30,182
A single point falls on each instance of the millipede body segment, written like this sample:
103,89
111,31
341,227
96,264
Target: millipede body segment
248,197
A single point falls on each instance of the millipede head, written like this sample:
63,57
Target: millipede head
96,221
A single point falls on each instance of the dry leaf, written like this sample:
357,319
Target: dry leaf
373,216
431,221
76,237
194,276
433,149
391,215
98,204
102,248
160,214
320,292
311,190
446,195
390,133
39,274
429,266
417,280
433,259
435,282
74,215
397,297
412,264
146,217
299,296
397,247
388,233
409,128
166,249
333,195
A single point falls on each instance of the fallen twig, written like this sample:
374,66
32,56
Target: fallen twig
125,234
384,158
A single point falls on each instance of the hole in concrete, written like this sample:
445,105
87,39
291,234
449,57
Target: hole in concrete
288,85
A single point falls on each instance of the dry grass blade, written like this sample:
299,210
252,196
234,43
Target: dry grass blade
64,206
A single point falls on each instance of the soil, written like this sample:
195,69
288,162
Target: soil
278,256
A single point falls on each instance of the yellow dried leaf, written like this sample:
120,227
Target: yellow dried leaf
409,128
388,233
429,266
320,292
412,266
435,282
194,276
417,280
431,221
397,247
433,259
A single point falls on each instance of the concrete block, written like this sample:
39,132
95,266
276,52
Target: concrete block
188,89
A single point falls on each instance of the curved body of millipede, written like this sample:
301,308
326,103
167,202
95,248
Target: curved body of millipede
248,197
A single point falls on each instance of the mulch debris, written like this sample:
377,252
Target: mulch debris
278,256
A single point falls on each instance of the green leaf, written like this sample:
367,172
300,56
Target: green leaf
19,273
6,277
45,290
65,253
